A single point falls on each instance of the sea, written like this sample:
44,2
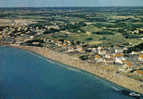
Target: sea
25,75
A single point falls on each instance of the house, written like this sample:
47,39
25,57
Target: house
127,63
19,29
64,46
118,50
79,48
70,49
100,47
94,50
127,67
53,27
119,57
69,42
58,43
134,53
101,51
31,37
88,33
1,37
140,58
17,43
139,72
108,56
99,59
35,43
108,60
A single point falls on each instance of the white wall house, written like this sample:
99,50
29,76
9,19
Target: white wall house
140,58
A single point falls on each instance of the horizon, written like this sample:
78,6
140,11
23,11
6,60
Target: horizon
74,7
73,3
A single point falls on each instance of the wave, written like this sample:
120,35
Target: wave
50,61
116,88
41,57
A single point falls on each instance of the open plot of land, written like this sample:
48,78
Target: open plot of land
6,22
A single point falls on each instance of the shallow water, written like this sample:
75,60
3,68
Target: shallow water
28,76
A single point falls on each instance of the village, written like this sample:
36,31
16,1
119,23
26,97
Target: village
25,35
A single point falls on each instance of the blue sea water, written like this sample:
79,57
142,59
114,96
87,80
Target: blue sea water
24,75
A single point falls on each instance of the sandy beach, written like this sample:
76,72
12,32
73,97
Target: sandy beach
105,72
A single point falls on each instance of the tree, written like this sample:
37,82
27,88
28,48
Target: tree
84,57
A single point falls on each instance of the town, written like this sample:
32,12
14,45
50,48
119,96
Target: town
98,36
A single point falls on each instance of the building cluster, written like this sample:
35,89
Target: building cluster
67,46
21,33
107,56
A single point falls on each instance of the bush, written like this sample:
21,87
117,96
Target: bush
84,57
52,30
103,33
89,39
135,48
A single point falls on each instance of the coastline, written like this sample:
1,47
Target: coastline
95,69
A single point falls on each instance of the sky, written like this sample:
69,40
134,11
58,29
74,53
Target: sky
74,3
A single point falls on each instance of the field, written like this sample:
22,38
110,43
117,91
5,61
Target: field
96,26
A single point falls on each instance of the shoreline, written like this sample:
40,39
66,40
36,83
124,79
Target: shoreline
95,69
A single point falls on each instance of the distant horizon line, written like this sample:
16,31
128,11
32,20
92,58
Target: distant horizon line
69,6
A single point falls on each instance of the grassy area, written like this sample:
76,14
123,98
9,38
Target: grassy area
103,26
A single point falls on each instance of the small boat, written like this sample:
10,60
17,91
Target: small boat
134,94
130,93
